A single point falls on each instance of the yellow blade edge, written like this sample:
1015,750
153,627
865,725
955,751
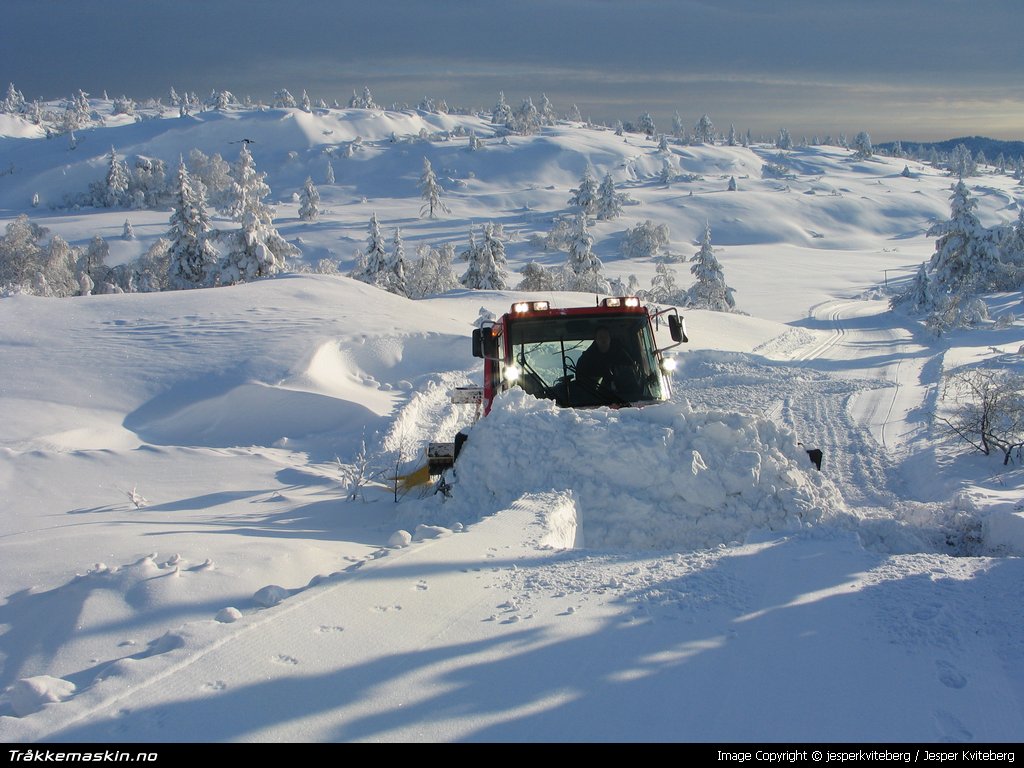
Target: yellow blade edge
415,478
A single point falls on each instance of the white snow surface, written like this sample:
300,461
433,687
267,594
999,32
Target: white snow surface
201,542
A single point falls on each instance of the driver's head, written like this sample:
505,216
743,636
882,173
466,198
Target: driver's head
603,339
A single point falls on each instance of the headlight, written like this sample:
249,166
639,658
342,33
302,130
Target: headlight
669,364
512,373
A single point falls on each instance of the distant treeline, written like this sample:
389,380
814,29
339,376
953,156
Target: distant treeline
990,147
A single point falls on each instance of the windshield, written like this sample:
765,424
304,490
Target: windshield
586,361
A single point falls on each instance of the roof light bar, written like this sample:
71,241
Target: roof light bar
621,301
522,307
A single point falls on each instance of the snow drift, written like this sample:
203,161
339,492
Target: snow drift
661,477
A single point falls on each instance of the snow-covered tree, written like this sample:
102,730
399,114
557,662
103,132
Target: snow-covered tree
784,141
646,240
667,174
918,298
257,249
115,184
558,238
487,262
373,260
645,124
57,276
862,145
431,192
283,99
966,258
546,111
1011,249
536,277
151,271
21,254
329,177
392,278
148,187
14,101
92,263
191,253
526,120
709,291
631,287
704,131
432,274
678,127
609,202
128,232
214,173
220,100
122,106
363,102
502,112
664,289
732,184
585,196
582,270
962,163
309,201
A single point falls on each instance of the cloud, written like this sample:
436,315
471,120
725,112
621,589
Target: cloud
751,63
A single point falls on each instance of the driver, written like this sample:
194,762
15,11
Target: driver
600,361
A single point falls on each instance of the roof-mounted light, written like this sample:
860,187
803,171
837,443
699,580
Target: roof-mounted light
522,307
621,301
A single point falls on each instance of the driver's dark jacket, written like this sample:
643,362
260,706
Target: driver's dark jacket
600,367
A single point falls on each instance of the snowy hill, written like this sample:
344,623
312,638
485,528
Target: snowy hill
203,542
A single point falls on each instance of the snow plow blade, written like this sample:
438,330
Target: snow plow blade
440,457
414,479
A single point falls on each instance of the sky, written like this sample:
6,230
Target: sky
917,70
202,542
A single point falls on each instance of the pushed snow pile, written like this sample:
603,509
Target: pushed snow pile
31,694
660,477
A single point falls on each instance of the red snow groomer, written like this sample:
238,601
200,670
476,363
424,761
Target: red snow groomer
580,357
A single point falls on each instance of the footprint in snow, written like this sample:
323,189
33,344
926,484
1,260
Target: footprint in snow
282,658
950,676
330,629
926,612
215,685
951,730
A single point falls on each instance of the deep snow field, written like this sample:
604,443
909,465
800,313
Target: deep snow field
202,541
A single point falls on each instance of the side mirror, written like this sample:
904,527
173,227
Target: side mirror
677,329
485,343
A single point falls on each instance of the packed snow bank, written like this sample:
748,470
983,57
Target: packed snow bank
660,477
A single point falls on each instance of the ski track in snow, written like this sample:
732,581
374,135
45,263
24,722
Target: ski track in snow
635,587
845,417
